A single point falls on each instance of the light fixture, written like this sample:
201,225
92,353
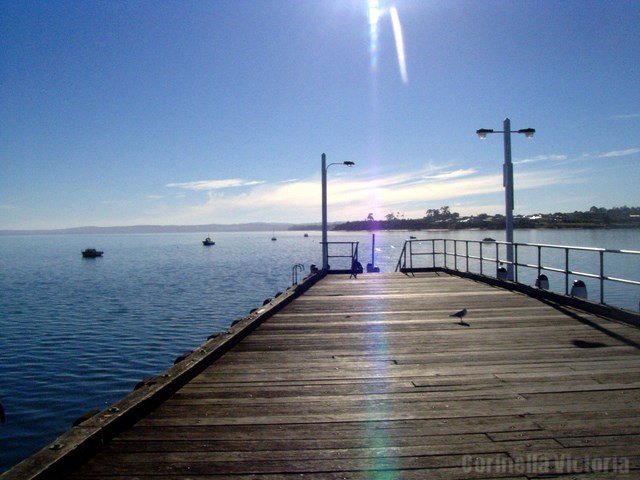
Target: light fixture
482,132
528,132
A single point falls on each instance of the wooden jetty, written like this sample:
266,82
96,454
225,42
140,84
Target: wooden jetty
370,378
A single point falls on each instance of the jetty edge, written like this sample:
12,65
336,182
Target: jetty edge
79,443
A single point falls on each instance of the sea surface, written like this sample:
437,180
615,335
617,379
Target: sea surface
78,334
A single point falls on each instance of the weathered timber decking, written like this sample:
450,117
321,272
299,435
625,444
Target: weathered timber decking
371,379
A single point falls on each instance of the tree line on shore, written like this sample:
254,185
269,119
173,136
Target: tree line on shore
444,218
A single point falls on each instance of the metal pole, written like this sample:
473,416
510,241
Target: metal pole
539,260
325,246
602,277
373,251
433,252
445,253
508,185
455,255
466,250
566,271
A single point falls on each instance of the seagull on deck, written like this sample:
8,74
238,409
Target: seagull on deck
460,314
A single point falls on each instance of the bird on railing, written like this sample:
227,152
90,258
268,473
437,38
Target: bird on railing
460,314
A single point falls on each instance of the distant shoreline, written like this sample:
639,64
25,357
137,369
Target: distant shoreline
205,229
290,228
452,229
442,219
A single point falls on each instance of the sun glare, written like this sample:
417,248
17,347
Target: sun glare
375,12
374,17
397,35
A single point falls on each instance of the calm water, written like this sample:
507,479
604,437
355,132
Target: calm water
77,334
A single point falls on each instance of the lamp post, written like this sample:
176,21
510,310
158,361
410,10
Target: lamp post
325,245
508,183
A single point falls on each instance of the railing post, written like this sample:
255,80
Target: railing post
566,271
411,254
539,261
445,253
481,259
433,252
404,251
515,262
404,256
467,254
602,277
455,255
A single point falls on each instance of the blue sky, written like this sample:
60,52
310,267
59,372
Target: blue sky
189,112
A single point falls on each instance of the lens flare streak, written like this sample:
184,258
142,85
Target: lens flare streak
374,17
375,12
397,35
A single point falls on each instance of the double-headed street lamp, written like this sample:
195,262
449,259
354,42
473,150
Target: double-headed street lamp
508,183
325,245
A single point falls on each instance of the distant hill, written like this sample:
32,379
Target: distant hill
209,228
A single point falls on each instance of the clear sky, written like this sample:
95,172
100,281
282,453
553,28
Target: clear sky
126,112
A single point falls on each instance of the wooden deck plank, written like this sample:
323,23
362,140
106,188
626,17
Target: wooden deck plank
371,378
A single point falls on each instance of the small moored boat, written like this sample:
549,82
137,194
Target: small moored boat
91,253
207,241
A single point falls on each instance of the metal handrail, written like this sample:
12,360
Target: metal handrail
353,256
298,267
443,252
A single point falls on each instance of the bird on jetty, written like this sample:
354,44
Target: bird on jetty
460,314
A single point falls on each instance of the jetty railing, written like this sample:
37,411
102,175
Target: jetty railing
347,250
544,265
